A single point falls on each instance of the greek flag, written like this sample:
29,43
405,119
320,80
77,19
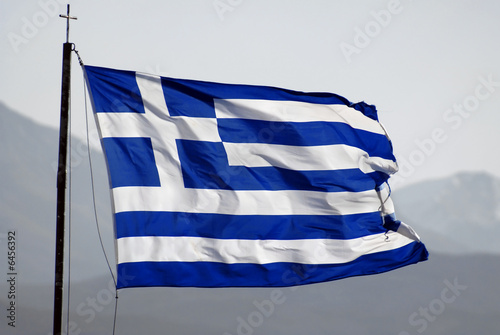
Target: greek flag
218,185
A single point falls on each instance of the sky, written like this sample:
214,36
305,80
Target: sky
430,67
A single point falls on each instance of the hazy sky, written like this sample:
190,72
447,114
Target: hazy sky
431,67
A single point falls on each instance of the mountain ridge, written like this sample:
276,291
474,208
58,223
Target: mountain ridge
451,214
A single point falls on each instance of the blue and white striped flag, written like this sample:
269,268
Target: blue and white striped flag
218,185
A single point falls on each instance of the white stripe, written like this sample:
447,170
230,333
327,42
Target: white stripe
176,199
152,95
230,251
293,111
166,128
122,124
305,158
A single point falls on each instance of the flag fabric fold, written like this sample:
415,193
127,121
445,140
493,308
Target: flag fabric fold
220,185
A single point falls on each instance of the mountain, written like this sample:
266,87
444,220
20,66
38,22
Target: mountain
455,292
455,215
29,158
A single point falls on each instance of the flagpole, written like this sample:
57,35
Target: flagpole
61,180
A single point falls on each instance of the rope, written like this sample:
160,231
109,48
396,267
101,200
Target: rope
78,56
92,183
381,209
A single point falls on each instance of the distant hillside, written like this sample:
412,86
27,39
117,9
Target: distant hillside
28,160
456,215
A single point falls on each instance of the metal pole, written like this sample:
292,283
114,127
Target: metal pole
61,180
61,189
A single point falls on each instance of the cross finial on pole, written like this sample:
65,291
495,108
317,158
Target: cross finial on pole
67,17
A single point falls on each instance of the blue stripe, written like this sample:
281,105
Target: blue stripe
114,91
205,166
195,98
391,223
209,274
223,226
131,161
303,134
184,100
